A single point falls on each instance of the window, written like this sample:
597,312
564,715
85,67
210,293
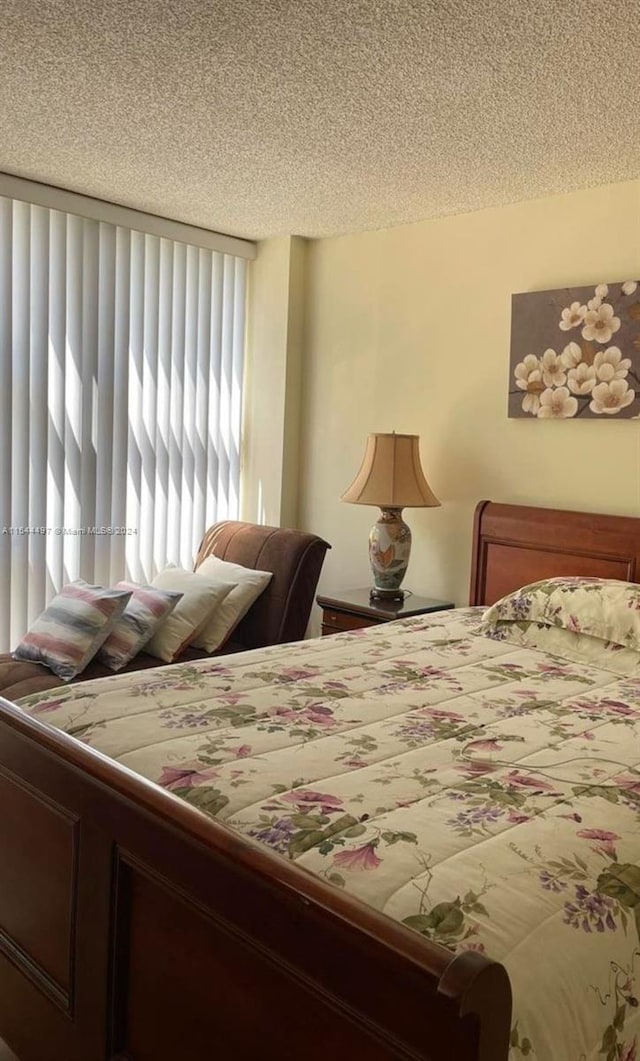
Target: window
121,361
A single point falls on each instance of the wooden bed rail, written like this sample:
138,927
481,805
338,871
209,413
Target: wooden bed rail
134,928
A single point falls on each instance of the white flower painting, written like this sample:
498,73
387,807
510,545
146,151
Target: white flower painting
575,353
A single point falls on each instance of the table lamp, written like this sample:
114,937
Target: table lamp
391,477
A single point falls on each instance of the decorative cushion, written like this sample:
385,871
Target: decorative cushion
247,584
69,632
566,643
148,607
200,597
599,607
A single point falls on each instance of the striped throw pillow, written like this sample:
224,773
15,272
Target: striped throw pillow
72,628
148,607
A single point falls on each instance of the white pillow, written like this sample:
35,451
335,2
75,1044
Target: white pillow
247,585
200,597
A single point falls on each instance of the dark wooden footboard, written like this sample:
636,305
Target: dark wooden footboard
133,927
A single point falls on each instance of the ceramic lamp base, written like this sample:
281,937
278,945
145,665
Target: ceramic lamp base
389,551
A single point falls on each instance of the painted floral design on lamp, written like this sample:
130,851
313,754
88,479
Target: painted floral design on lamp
390,477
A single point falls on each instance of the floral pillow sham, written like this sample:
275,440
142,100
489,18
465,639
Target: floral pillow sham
602,608
579,648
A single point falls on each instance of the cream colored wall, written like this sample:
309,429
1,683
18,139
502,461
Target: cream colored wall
408,330
271,414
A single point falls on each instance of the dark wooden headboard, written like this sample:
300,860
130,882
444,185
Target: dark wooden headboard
516,544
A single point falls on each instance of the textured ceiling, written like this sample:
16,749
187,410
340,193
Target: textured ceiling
314,117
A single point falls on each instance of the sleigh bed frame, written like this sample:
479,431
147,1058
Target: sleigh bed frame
134,928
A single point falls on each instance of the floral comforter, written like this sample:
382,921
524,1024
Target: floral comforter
484,793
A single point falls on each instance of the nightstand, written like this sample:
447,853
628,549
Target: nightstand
352,609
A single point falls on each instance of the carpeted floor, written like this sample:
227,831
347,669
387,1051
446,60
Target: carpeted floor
5,1053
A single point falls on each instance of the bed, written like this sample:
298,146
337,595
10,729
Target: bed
135,926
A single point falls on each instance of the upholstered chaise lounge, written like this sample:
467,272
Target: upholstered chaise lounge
279,615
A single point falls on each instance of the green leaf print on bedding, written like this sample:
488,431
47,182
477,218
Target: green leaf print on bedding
622,882
209,800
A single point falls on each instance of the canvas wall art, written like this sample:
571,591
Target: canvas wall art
575,353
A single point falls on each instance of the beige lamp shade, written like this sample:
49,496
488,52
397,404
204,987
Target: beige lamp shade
391,475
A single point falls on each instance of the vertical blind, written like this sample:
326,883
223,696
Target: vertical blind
121,362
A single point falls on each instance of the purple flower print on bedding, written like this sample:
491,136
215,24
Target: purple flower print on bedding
628,782
306,798
466,820
184,776
484,744
285,675
605,841
195,786
241,752
521,606
534,785
551,882
277,834
590,910
475,768
47,705
296,674
184,720
403,672
596,710
358,858
313,714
